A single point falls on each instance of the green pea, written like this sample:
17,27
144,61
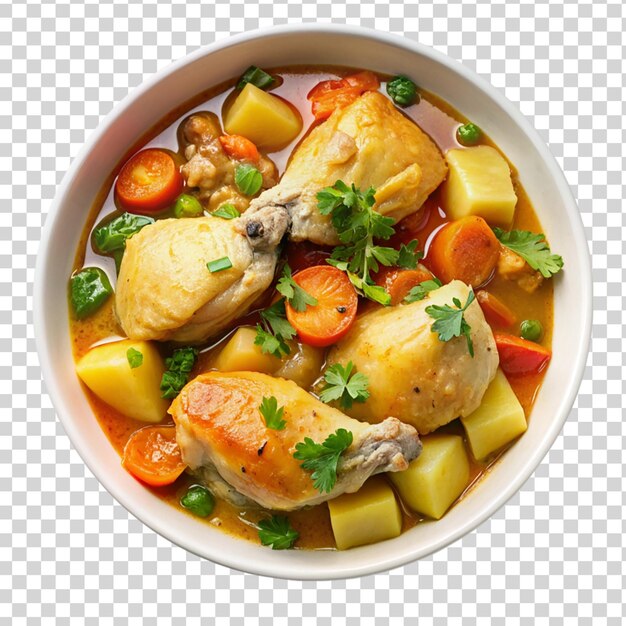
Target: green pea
199,500
469,134
531,330
402,91
187,206
89,290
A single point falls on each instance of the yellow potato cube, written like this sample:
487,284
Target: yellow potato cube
264,119
371,514
437,477
479,183
241,354
303,365
497,421
134,392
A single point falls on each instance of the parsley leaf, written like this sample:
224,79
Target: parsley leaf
450,322
274,330
248,179
135,358
533,249
272,414
226,212
297,297
322,458
409,256
419,292
179,366
277,532
343,385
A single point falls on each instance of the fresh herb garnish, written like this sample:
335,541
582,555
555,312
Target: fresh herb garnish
274,330
277,532
89,290
322,458
532,248
179,366
344,385
450,322
419,292
135,358
409,256
256,76
219,264
357,225
248,179
226,212
272,413
297,297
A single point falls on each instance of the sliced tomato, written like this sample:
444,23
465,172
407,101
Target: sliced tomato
333,315
152,455
495,311
519,356
148,182
240,148
398,282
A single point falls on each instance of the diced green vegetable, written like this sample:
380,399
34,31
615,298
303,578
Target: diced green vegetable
226,212
402,91
199,500
469,134
219,265
89,290
187,206
135,358
531,330
277,532
248,179
257,77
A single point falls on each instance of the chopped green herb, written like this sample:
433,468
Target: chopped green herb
322,458
402,91
419,292
89,290
274,330
219,264
257,77
344,385
226,212
135,358
248,179
272,413
199,500
409,256
297,297
532,248
188,206
469,134
450,322
277,532
179,366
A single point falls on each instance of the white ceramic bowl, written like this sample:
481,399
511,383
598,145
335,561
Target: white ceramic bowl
308,44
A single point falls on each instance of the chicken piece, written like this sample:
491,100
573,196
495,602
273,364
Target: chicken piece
219,427
210,169
412,374
368,143
165,290
512,267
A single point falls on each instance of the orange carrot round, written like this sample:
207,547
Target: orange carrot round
152,455
398,282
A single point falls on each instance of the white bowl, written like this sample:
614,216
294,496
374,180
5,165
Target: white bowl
335,45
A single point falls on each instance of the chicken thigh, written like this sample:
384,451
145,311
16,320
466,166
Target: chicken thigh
219,427
412,374
165,290
369,143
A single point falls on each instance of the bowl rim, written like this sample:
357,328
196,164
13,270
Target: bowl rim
288,570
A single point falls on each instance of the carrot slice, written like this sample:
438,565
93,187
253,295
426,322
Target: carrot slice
519,356
466,250
331,318
152,455
240,148
398,282
496,312
148,182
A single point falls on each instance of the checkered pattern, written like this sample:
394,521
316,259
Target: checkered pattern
69,554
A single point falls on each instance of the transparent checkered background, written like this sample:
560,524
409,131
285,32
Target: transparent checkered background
69,554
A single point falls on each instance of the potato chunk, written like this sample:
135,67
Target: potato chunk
303,365
436,478
263,118
371,514
479,183
497,421
132,391
241,354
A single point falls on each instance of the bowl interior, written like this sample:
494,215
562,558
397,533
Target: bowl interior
315,45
